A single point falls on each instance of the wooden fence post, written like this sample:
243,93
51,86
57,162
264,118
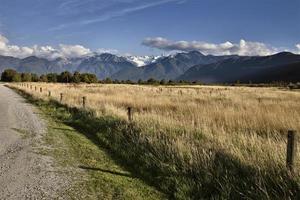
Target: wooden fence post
61,97
83,101
41,90
49,94
291,150
129,113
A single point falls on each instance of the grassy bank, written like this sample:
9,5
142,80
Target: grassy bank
208,161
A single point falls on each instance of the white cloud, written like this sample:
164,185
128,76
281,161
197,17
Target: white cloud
227,48
298,48
111,51
49,52
73,51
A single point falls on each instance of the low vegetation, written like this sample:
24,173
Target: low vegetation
191,142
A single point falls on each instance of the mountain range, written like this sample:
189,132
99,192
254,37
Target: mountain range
190,66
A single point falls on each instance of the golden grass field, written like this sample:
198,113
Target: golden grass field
248,123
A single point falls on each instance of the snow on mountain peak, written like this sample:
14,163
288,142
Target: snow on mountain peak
142,60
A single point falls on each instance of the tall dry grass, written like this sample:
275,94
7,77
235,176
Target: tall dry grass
247,124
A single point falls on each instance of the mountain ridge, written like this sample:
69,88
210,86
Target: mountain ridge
234,69
190,66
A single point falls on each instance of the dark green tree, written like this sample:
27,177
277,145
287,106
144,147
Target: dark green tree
107,80
43,78
76,77
88,78
26,77
65,77
35,78
17,78
116,81
8,74
140,81
163,82
52,77
171,82
152,81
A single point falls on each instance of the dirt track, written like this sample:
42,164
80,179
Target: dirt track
24,173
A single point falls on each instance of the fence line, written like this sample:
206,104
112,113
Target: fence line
291,149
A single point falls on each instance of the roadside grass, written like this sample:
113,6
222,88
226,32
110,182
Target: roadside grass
94,173
23,133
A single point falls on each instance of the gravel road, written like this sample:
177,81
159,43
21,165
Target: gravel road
25,173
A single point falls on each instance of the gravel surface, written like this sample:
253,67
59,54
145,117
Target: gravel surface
25,173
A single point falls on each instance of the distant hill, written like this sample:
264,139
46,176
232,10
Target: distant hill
168,67
243,68
103,65
9,62
285,73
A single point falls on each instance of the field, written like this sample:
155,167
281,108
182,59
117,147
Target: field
210,142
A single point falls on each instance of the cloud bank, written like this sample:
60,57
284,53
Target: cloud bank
243,48
48,52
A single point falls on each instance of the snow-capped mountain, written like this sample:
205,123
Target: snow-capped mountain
140,61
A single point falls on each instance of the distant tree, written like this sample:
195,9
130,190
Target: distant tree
52,77
84,78
181,82
35,78
88,78
129,82
65,77
152,81
140,81
76,78
43,78
116,81
8,75
26,77
17,78
170,82
107,80
162,82
92,78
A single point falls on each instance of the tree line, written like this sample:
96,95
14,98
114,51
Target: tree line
10,75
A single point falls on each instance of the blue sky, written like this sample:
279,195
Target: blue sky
153,26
